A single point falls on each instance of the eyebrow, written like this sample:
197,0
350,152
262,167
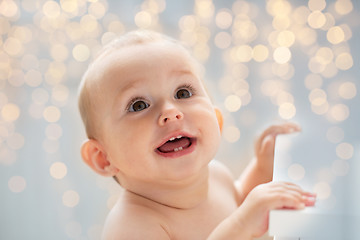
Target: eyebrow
129,84
132,83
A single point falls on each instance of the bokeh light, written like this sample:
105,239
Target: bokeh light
233,103
296,172
322,190
347,90
231,134
344,150
70,198
10,112
17,184
58,170
282,55
276,61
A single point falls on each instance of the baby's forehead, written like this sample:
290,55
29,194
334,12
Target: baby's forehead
130,60
137,55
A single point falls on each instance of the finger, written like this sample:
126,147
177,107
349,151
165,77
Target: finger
288,186
309,200
306,198
281,129
275,130
290,201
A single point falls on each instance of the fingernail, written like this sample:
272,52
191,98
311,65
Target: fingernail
311,199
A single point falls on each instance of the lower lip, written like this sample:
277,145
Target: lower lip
180,153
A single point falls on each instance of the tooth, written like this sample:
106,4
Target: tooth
172,139
180,148
176,149
179,137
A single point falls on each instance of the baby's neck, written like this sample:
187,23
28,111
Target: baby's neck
179,195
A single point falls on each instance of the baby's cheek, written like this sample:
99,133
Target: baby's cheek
211,126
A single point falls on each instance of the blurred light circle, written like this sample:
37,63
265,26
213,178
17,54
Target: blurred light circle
282,55
260,53
52,114
339,112
335,35
223,40
58,170
17,184
316,5
231,134
324,55
322,190
143,19
296,172
344,61
317,97
347,90
286,38
33,78
70,198
316,19
232,103
51,9
343,7
13,46
81,53
287,111
10,112
8,8
243,53
345,150
59,52
223,19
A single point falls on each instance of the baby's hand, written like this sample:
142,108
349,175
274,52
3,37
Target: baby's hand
265,144
253,214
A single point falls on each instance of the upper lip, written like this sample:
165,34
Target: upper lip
173,136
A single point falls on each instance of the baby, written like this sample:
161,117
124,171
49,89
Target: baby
152,126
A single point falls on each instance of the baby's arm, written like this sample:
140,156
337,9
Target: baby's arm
260,169
250,220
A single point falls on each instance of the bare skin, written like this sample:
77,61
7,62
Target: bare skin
150,101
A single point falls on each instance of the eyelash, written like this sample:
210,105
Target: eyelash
134,100
188,87
185,86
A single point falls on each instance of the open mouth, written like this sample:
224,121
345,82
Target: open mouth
176,144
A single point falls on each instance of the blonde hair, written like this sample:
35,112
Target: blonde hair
87,91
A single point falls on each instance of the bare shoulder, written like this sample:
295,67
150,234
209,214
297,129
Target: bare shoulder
128,220
221,172
222,176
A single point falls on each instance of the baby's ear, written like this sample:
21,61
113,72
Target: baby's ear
94,155
219,118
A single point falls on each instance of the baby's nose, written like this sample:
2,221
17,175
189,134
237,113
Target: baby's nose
170,114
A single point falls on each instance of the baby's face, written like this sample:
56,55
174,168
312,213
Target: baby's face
157,121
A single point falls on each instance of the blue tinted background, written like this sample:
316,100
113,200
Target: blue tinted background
266,62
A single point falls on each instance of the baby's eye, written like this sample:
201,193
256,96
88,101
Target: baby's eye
138,106
183,93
